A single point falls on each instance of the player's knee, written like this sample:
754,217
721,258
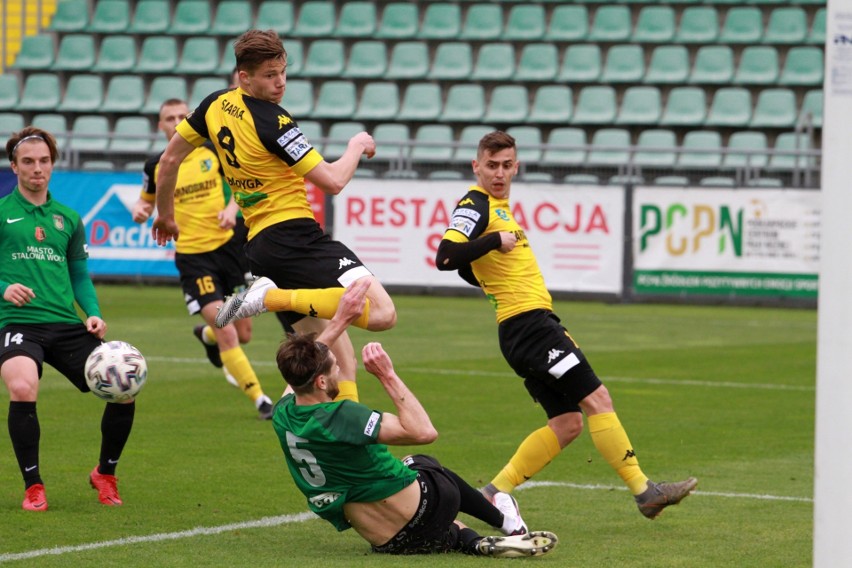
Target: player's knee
567,427
382,320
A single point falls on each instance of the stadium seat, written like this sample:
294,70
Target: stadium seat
468,142
817,30
731,107
150,17
117,54
764,182
421,102
312,130
803,66
357,20
157,55
200,56
494,62
379,101
610,147
705,146
56,124
747,148
233,17
640,105
743,24
656,148
538,62
76,53
811,106
338,138
717,181
581,64
325,58
445,175
295,57
453,61
758,66
84,93
131,134
109,17
89,133
685,106
299,98
228,61
367,60
275,15
669,65
336,99
529,143
125,93
10,91
392,141
552,104
790,142
483,22
36,53
595,105
441,21
204,86
698,24
400,20
786,25
568,23
10,122
775,108
162,88
714,64
71,16
433,143
624,64
611,23
581,179
673,181
566,145
41,93
465,103
526,22
408,60
655,24
316,19
508,104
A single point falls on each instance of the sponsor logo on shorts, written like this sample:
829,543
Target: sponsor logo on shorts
324,499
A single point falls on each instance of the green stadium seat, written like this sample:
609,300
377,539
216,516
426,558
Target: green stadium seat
758,66
764,182
295,57
453,61
200,56
97,166
192,17
803,66
400,20
640,105
714,64
299,98
786,25
84,93
685,106
367,60
233,17
705,146
441,21
36,53
71,16
626,180
408,60
494,62
656,149
655,24
526,23
76,53
552,104
421,102
203,86
316,19
10,122
568,23
717,181
566,145
150,17
157,55
468,142
125,93
731,106
312,129
747,149
538,62
595,105
392,141
89,133
379,101
433,143
508,104
162,88
483,22
117,54
41,92
357,20
790,142
624,64
110,17
672,181
10,91
325,58
445,175
529,143
56,124
611,23
131,134
402,173
743,24
581,64
669,65
775,108
817,30
228,61
698,24
465,102
336,99
581,179
811,108
609,147
275,15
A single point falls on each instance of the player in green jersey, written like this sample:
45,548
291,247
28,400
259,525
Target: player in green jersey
43,272
337,454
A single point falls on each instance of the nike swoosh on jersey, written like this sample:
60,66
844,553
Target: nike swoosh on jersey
14,220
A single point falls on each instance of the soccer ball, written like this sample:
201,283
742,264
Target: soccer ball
116,371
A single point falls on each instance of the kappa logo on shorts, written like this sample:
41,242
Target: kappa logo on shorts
553,354
345,262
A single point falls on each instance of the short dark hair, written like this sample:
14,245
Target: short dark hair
31,133
301,358
255,47
493,142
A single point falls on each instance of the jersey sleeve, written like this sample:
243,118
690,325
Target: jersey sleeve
355,424
149,180
470,218
281,136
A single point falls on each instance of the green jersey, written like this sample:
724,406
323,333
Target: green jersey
36,244
334,458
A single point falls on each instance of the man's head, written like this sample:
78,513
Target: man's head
32,153
308,365
172,111
261,64
496,163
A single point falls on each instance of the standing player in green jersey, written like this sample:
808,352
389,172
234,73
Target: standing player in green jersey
43,271
337,454
490,250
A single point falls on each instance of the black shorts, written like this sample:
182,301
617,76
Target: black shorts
209,276
63,346
432,530
240,238
554,369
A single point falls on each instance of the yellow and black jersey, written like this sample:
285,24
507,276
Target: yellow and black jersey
199,197
264,154
512,281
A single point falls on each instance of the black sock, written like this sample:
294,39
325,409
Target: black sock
475,504
116,424
468,541
25,432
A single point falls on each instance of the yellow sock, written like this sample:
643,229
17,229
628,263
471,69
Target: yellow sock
318,303
348,391
611,441
208,336
238,365
535,452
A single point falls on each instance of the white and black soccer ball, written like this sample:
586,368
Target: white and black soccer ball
116,371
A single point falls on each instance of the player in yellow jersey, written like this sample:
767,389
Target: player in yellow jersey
207,258
490,250
266,160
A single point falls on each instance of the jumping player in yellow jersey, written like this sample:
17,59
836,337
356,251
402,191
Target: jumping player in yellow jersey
491,251
207,258
266,160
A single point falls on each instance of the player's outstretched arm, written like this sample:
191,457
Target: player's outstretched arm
165,228
332,177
